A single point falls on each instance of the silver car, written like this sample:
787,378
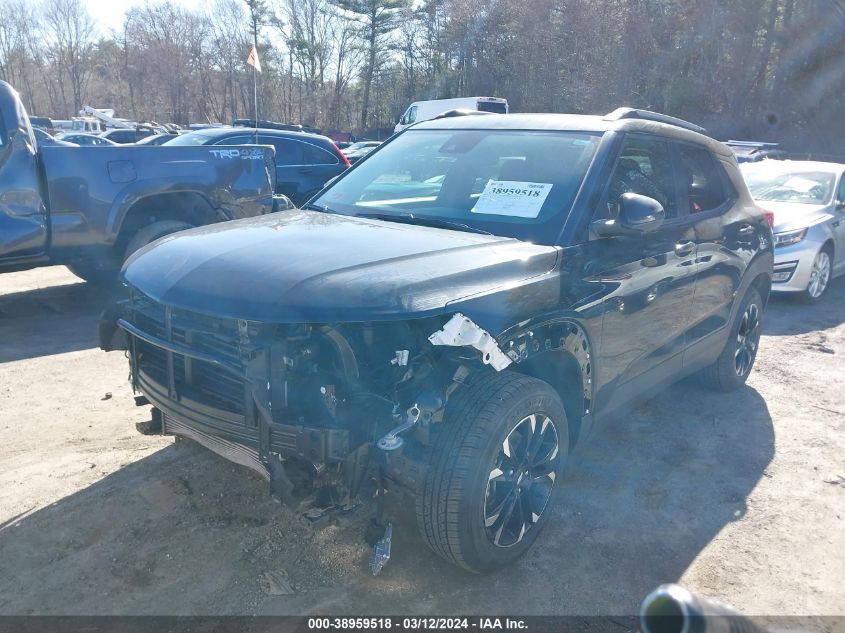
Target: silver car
807,200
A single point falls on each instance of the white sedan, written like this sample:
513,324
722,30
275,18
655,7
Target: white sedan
807,200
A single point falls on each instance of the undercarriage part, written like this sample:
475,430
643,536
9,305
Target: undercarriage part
461,331
281,487
392,441
237,453
153,426
381,551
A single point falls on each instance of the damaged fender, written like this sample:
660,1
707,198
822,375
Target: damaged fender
461,331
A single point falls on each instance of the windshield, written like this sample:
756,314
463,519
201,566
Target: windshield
805,187
191,138
511,183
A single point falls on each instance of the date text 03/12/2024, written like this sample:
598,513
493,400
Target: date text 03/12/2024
417,623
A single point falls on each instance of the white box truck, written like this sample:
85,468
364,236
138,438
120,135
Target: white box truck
424,110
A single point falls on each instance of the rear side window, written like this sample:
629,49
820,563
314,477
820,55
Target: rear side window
233,140
840,196
288,151
123,136
644,167
496,107
701,179
313,155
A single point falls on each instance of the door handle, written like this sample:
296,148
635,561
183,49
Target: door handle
684,248
746,230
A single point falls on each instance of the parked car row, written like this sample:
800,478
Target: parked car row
304,161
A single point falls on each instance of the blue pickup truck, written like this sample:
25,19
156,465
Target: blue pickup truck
91,207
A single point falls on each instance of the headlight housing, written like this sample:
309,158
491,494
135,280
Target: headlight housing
789,237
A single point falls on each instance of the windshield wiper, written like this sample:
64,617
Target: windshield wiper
317,207
423,220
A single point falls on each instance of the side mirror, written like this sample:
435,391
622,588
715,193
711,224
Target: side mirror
637,215
282,203
840,206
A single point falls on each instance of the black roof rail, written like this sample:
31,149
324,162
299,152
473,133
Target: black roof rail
648,115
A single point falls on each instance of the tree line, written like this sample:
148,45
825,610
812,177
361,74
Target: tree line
763,69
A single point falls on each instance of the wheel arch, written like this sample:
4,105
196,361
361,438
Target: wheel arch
763,283
186,206
829,243
561,370
558,353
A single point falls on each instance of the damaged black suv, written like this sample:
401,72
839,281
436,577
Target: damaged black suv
449,317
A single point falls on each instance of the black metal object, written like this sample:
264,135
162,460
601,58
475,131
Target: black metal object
381,551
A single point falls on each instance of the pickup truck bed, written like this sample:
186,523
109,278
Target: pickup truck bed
90,207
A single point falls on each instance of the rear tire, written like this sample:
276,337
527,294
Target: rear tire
493,469
100,272
152,232
103,269
732,368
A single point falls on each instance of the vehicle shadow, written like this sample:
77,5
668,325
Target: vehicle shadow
51,320
184,532
787,317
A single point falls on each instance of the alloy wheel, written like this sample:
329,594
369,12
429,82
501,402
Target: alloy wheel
747,339
819,275
521,481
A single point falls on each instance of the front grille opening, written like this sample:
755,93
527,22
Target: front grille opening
200,381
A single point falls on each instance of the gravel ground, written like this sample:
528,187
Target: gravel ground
740,497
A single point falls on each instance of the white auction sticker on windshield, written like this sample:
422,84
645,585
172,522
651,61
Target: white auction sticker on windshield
509,197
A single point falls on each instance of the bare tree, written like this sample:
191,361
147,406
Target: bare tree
309,40
70,33
767,69
347,64
377,19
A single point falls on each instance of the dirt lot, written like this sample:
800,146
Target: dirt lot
740,496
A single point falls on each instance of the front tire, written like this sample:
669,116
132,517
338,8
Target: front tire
819,277
732,368
494,471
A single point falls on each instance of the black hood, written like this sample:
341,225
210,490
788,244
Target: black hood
310,267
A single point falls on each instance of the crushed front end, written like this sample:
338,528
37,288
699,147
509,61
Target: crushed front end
304,405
